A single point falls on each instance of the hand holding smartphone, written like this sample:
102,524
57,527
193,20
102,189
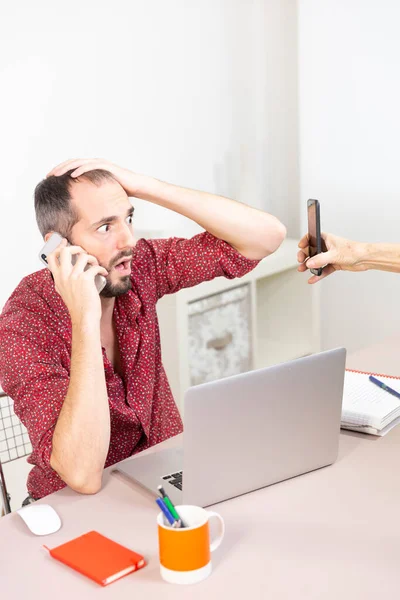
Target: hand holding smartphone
52,243
315,242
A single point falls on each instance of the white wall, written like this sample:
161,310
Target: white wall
201,94
349,57
183,91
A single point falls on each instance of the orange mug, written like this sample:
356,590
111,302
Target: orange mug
185,552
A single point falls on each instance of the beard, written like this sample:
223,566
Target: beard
112,290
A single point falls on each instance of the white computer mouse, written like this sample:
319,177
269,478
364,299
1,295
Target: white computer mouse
41,519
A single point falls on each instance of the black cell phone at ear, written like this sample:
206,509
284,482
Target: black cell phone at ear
315,245
55,240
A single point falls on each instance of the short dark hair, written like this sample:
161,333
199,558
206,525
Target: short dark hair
53,207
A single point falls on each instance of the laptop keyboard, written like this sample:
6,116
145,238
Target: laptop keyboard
174,479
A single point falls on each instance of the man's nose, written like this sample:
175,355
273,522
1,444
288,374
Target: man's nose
126,238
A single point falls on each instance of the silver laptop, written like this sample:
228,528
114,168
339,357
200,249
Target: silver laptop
249,431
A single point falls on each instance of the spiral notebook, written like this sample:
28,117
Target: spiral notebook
368,408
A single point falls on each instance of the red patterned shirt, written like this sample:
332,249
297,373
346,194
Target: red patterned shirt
35,350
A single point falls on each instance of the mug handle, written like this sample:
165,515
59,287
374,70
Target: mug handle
215,543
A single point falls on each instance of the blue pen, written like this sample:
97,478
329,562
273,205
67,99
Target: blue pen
170,506
384,386
168,515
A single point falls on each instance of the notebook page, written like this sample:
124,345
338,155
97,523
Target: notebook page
364,403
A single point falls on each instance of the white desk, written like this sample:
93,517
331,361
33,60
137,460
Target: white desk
330,534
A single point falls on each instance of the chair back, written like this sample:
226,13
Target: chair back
14,442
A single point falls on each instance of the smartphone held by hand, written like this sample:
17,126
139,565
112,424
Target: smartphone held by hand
315,242
52,243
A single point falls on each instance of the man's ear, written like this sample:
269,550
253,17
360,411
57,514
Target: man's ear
46,237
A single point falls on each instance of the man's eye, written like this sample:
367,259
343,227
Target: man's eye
130,219
101,230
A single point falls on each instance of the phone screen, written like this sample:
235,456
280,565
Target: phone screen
314,231
312,227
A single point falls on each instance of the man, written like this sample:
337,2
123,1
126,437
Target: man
85,369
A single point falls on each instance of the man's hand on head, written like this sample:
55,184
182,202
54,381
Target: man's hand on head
127,179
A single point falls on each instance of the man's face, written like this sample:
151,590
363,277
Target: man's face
105,230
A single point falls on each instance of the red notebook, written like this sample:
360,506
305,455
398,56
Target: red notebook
98,557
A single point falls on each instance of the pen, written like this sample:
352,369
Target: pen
169,505
170,518
384,386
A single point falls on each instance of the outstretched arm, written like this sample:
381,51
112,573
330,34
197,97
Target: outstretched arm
348,255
